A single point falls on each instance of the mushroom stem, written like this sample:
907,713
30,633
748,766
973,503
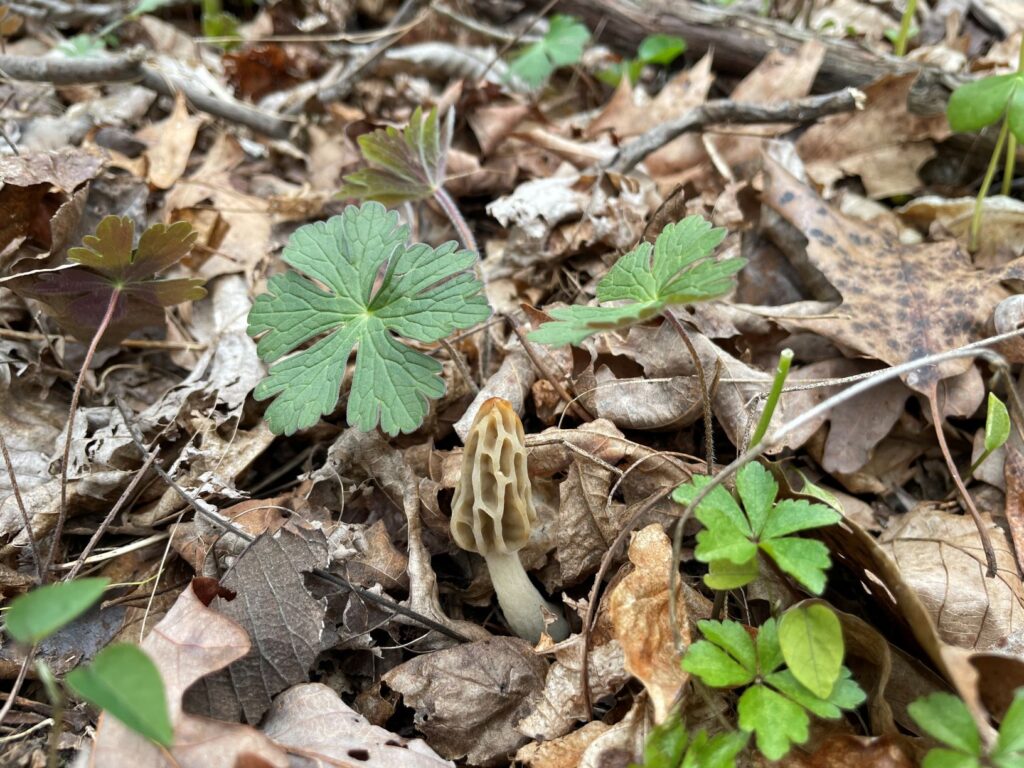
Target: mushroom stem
520,601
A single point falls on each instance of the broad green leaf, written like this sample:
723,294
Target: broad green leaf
811,639
732,637
946,719
562,45
79,297
666,744
803,559
38,614
714,666
678,269
1011,730
757,490
423,294
719,751
997,424
660,49
404,165
981,103
947,758
769,652
775,721
123,681
792,515
725,574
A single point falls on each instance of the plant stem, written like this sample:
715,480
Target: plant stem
56,697
974,467
58,528
785,360
454,215
705,392
975,231
1011,160
900,46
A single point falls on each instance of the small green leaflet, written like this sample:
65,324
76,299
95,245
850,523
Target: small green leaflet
677,269
38,614
561,46
981,103
775,708
732,535
669,746
372,289
946,719
811,639
997,424
124,681
404,165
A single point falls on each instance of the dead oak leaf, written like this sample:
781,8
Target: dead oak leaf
900,302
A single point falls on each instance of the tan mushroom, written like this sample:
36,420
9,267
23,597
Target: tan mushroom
493,515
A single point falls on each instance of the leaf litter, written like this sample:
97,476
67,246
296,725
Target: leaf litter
268,463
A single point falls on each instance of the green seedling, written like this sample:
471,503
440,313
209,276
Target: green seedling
775,704
982,103
87,45
781,373
946,719
654,50
561,46
121,680
219,25
407,165
734,536
906,30
997,430
677,269
670,746
372,289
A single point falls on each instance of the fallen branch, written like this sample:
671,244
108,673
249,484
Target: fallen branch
130,67
723,111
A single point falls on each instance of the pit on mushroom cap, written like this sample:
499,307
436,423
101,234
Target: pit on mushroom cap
493,515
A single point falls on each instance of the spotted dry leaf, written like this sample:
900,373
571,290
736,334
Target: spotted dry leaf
900,302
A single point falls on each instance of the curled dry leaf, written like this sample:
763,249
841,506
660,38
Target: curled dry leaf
639,610
563,752
469,699
170,144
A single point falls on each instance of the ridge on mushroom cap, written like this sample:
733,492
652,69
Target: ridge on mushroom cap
492,510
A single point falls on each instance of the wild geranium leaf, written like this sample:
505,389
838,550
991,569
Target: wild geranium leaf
38,614
377,289
811,639
561,46
404,165
946,719
997,424
775,721
80,297
735,534
981,103
124,681
677,269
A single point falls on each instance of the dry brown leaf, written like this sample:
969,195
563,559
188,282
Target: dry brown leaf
665,404
191,641
884,143
639,611
563,752
587,521
1013,472
469,698
1002,233
170,144
844,750
891,292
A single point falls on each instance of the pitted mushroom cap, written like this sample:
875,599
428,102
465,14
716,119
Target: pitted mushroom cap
492,511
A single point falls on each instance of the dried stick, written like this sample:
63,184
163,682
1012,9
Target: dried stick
21,508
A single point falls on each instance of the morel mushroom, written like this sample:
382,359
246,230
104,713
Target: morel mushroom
493,515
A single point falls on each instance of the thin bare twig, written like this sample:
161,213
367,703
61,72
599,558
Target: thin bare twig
36,558
705,392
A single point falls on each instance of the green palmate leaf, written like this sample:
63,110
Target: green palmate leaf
846,694
946,719
38,614
732,637
981,103
666,744
404,165
775,721
376,290
79,297
561,46
811,639
715,667
718,751
677,269
123,681
660,49
997,424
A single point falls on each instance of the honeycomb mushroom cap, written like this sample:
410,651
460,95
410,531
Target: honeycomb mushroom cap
492,511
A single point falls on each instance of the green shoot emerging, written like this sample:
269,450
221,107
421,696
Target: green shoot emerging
561,46
774,705
733,536
376,289
677,269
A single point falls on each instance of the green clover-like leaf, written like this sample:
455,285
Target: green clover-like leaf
735,534
776,722
372,289
677,269
997,424
561,46
404,165
80,297
981,103
811,639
